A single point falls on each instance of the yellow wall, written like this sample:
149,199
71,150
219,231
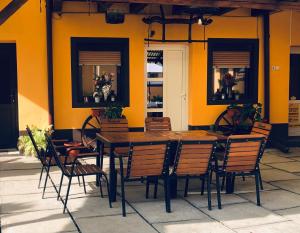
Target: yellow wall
27,29
94,26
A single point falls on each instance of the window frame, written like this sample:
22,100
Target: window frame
236,44
99,44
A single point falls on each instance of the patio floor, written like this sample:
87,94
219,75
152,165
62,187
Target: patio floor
23,209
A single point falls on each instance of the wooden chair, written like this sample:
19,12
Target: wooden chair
158,124
263,129
242,157
75,169
45,158
146,159
193,160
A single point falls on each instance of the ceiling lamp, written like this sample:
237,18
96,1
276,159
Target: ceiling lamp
204,21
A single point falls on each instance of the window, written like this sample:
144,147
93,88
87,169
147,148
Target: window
232,71
100,71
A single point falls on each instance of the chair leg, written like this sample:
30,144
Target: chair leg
155,188
167,194
223,182
218,191
208,192
67,195
78,181
108,193
244,178
123,196
83,182
60,184
147,187
41,174
257,188
100,186
202,186
45,184
233,182
186,188
260,180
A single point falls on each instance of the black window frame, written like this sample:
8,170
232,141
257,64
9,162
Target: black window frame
251,84
100,44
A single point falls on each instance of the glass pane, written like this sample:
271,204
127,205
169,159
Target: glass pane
155,64
229,83
155,94
99,82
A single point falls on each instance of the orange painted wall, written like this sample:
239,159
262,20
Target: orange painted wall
27,29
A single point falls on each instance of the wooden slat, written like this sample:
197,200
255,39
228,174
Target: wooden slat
114,129
240,154
238,163
243,158
191,171
195,161
245,144
158,123
147,157
150,147
148,163
245,168
241,149
196,151
194,156
146,172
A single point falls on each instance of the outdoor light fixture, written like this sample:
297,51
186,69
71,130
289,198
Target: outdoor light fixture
114,17
204,21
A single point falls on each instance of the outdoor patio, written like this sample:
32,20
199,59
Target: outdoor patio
24,210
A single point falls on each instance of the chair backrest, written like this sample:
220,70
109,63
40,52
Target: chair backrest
243,152
262,128
148,159
37,150
194,155
114,125
158,124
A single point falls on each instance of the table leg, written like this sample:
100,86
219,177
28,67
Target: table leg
173,186
98,159
229,183
112,175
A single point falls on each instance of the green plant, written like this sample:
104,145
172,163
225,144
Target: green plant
114,111
157,98
25,145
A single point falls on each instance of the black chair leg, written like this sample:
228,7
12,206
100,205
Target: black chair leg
260,181
223,182
123,196
78,181
155,188
257,188
208,191
83,182
186,188
41,174
202,186
233,182
108,193
147,187
218,191
45,184
67,195
100,186
167,194
244,178
60,184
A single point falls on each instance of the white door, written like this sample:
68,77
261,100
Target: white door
166,84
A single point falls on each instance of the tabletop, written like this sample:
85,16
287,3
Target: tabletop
131,137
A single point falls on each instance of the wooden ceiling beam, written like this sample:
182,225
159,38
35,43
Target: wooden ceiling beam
250,4
135,8
102,7
10,9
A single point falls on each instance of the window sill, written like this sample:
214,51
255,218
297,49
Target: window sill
97,105
228,102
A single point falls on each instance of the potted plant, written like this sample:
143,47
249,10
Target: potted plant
113,115
25,145
227,82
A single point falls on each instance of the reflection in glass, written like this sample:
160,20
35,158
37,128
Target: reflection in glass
155,94
155,64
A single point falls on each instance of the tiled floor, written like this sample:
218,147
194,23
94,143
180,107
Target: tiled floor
24,211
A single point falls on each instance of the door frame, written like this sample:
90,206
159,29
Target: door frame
169,46
14,88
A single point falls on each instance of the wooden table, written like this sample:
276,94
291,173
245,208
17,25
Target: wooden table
113,140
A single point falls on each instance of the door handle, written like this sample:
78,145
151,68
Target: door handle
12,98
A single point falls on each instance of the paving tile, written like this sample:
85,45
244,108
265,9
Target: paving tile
132,223
274,158
32,202
291,214
15,175
155,212
290,185
19,187
276,175
286,227
201,201
50,221
248,185
94,206
276,199
264,167
290,166
243,215
13,162
195,226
